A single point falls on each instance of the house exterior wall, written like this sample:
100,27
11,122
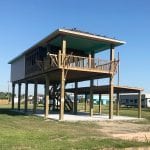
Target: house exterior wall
18,69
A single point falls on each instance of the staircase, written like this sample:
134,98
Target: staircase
55,99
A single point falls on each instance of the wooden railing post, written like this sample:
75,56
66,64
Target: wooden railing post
59,59
89,61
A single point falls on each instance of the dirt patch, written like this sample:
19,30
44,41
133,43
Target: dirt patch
139,136
126,130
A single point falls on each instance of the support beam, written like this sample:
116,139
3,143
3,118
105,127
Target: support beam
62,96
139,104
111,94
46,97
111,82
117,104
91,98
19,95
62,81
112,52
85,104
75,99
13,95
35,98
26,97
100,104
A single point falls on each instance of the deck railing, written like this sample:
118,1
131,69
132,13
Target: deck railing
72,61
79,62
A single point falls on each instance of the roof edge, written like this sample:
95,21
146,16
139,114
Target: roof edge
72,32
92,36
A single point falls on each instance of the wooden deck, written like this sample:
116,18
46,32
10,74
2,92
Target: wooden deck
72,63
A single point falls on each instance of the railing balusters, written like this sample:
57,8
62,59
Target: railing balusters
73,61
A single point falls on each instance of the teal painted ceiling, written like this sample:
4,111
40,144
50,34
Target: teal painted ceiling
82,44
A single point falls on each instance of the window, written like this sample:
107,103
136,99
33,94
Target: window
135,101
131,101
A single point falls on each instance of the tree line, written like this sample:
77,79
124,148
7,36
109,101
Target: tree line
5,95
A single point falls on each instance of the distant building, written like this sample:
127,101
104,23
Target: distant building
104,99
132,100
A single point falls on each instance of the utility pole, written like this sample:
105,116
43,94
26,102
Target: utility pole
118,69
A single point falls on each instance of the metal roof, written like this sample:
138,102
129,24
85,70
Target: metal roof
75,39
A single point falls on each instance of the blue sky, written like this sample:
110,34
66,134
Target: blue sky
24,22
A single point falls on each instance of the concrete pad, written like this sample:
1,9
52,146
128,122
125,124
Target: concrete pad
86,117
81,116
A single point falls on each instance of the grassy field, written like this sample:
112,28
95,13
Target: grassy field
124,111
27,132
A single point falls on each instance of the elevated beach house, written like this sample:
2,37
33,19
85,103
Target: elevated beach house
68,56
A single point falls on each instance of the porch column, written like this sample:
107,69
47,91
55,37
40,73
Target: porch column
26,96
139,104
100,104
75,98
111,86
85,105
46,97
19,95
35,98
13,95
91,98
117,104
62,96
90,60
62,81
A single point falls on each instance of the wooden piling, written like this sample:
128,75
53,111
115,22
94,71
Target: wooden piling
117,104
91,98
19,95
46,96
35,98
13,95
139,104
62,81
100,104
111,82
26,96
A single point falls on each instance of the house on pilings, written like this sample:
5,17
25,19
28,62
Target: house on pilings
68,56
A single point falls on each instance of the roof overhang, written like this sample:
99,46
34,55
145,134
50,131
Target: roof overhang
76,39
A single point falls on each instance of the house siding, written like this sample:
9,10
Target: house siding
18,69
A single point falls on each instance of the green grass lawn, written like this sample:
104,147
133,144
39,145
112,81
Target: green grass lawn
124,111
30,132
